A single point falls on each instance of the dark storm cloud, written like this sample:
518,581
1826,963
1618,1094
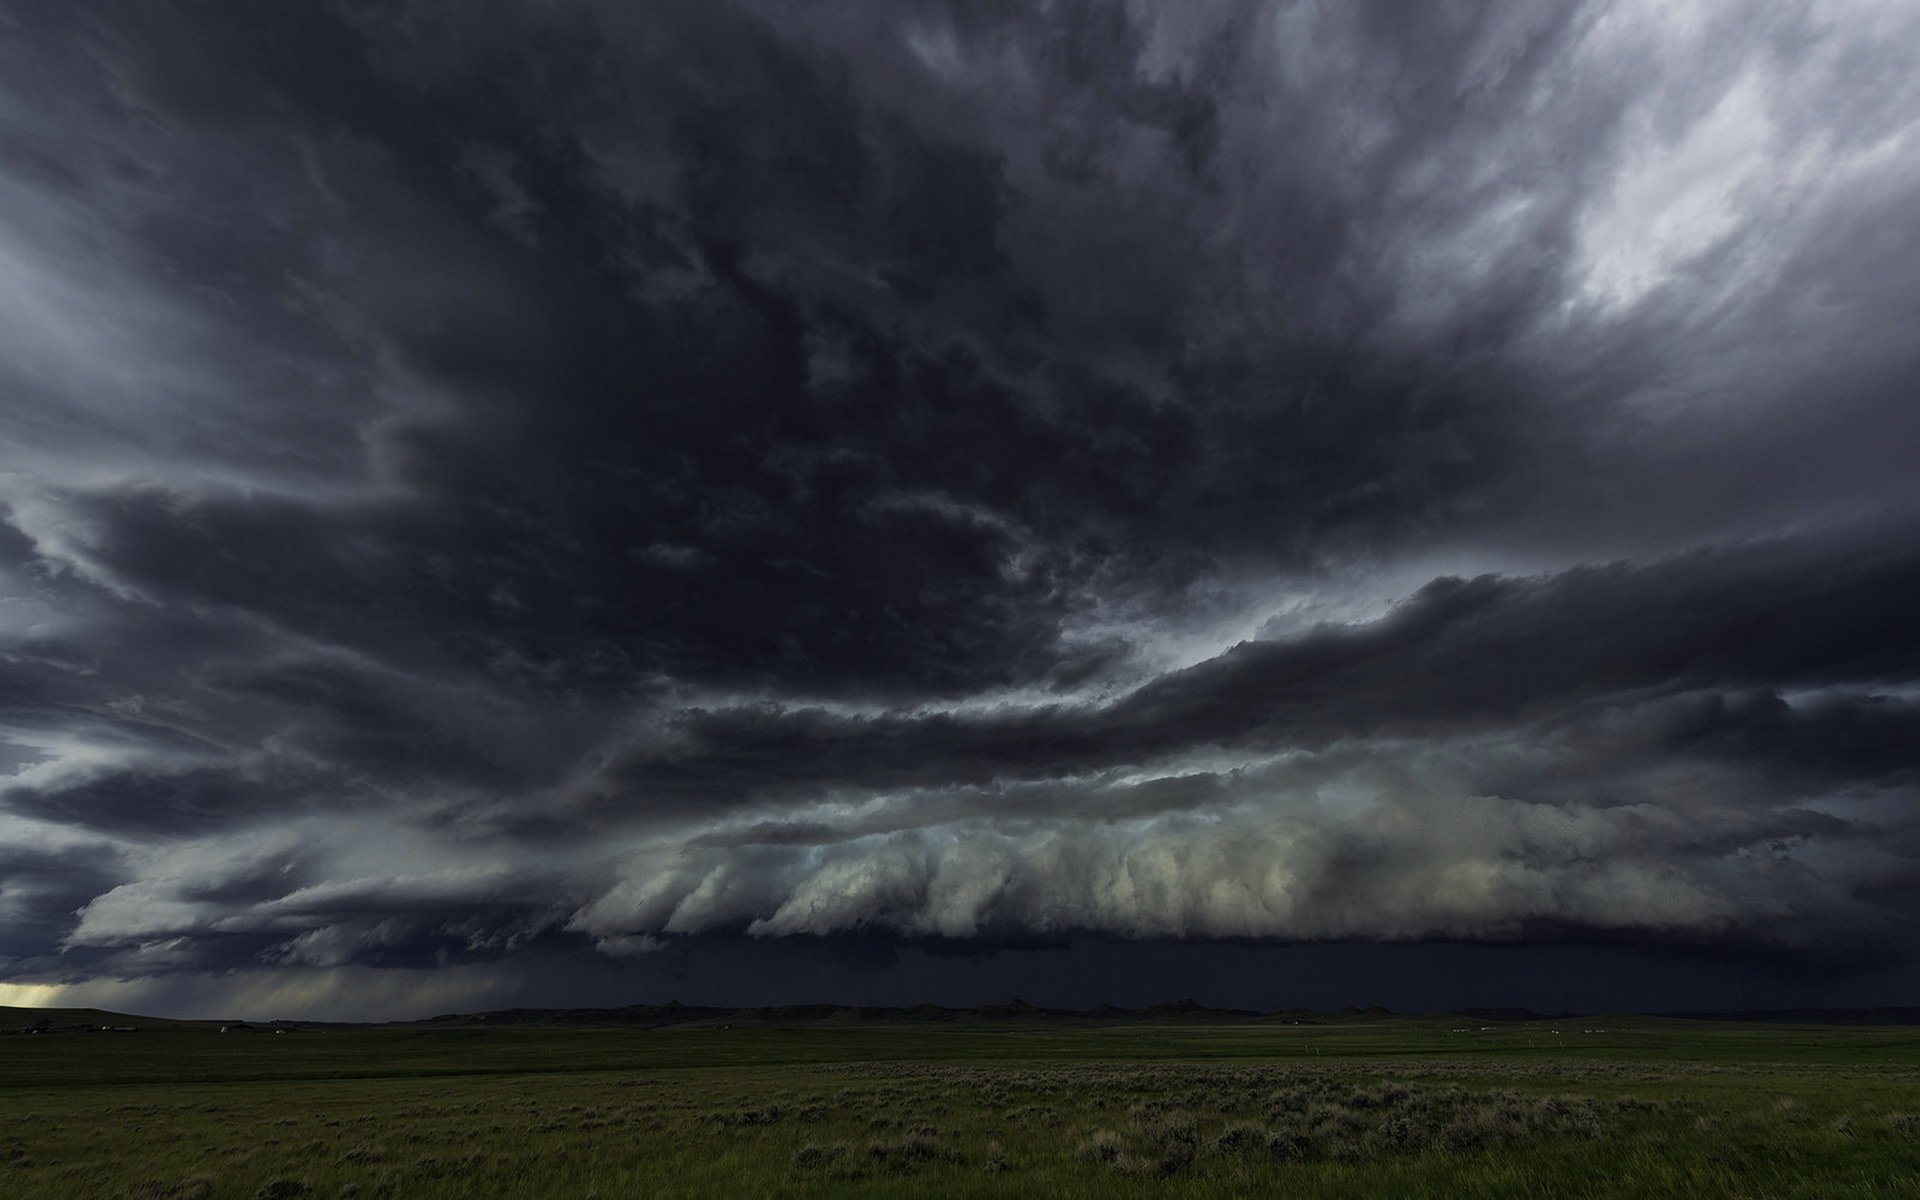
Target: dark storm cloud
1481,655
40,889
482,486
140,803
834,466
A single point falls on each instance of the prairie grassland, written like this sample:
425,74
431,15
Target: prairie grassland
1394,1106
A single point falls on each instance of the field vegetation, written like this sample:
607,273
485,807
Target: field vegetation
1362,1106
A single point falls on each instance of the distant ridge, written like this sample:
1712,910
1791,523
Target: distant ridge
1809,1016
675,1013
1015,1012
14,1019
1514,1014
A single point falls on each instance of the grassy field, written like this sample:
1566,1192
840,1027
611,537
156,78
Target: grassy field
1364,1106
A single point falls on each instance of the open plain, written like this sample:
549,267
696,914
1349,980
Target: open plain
966,1104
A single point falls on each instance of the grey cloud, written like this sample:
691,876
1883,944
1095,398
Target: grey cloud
277,907
135,802
475,487
40,888
1461,655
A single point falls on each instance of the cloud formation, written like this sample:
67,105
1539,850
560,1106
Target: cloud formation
594,480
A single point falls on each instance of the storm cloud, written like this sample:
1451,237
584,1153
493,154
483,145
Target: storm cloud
589,485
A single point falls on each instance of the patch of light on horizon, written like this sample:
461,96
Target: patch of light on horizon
268,994
35,995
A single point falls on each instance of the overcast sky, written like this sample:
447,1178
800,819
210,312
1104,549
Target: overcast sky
579,503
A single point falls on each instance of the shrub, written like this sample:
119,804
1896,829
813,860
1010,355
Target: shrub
1290,1146
1242,1138
911,1150
1104,1146
1404,1134
813,1155
996,1161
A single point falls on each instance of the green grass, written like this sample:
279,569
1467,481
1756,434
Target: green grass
1382,1106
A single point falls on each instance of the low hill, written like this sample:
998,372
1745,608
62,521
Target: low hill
84,1020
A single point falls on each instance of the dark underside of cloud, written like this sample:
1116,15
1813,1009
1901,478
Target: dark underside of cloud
599,485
